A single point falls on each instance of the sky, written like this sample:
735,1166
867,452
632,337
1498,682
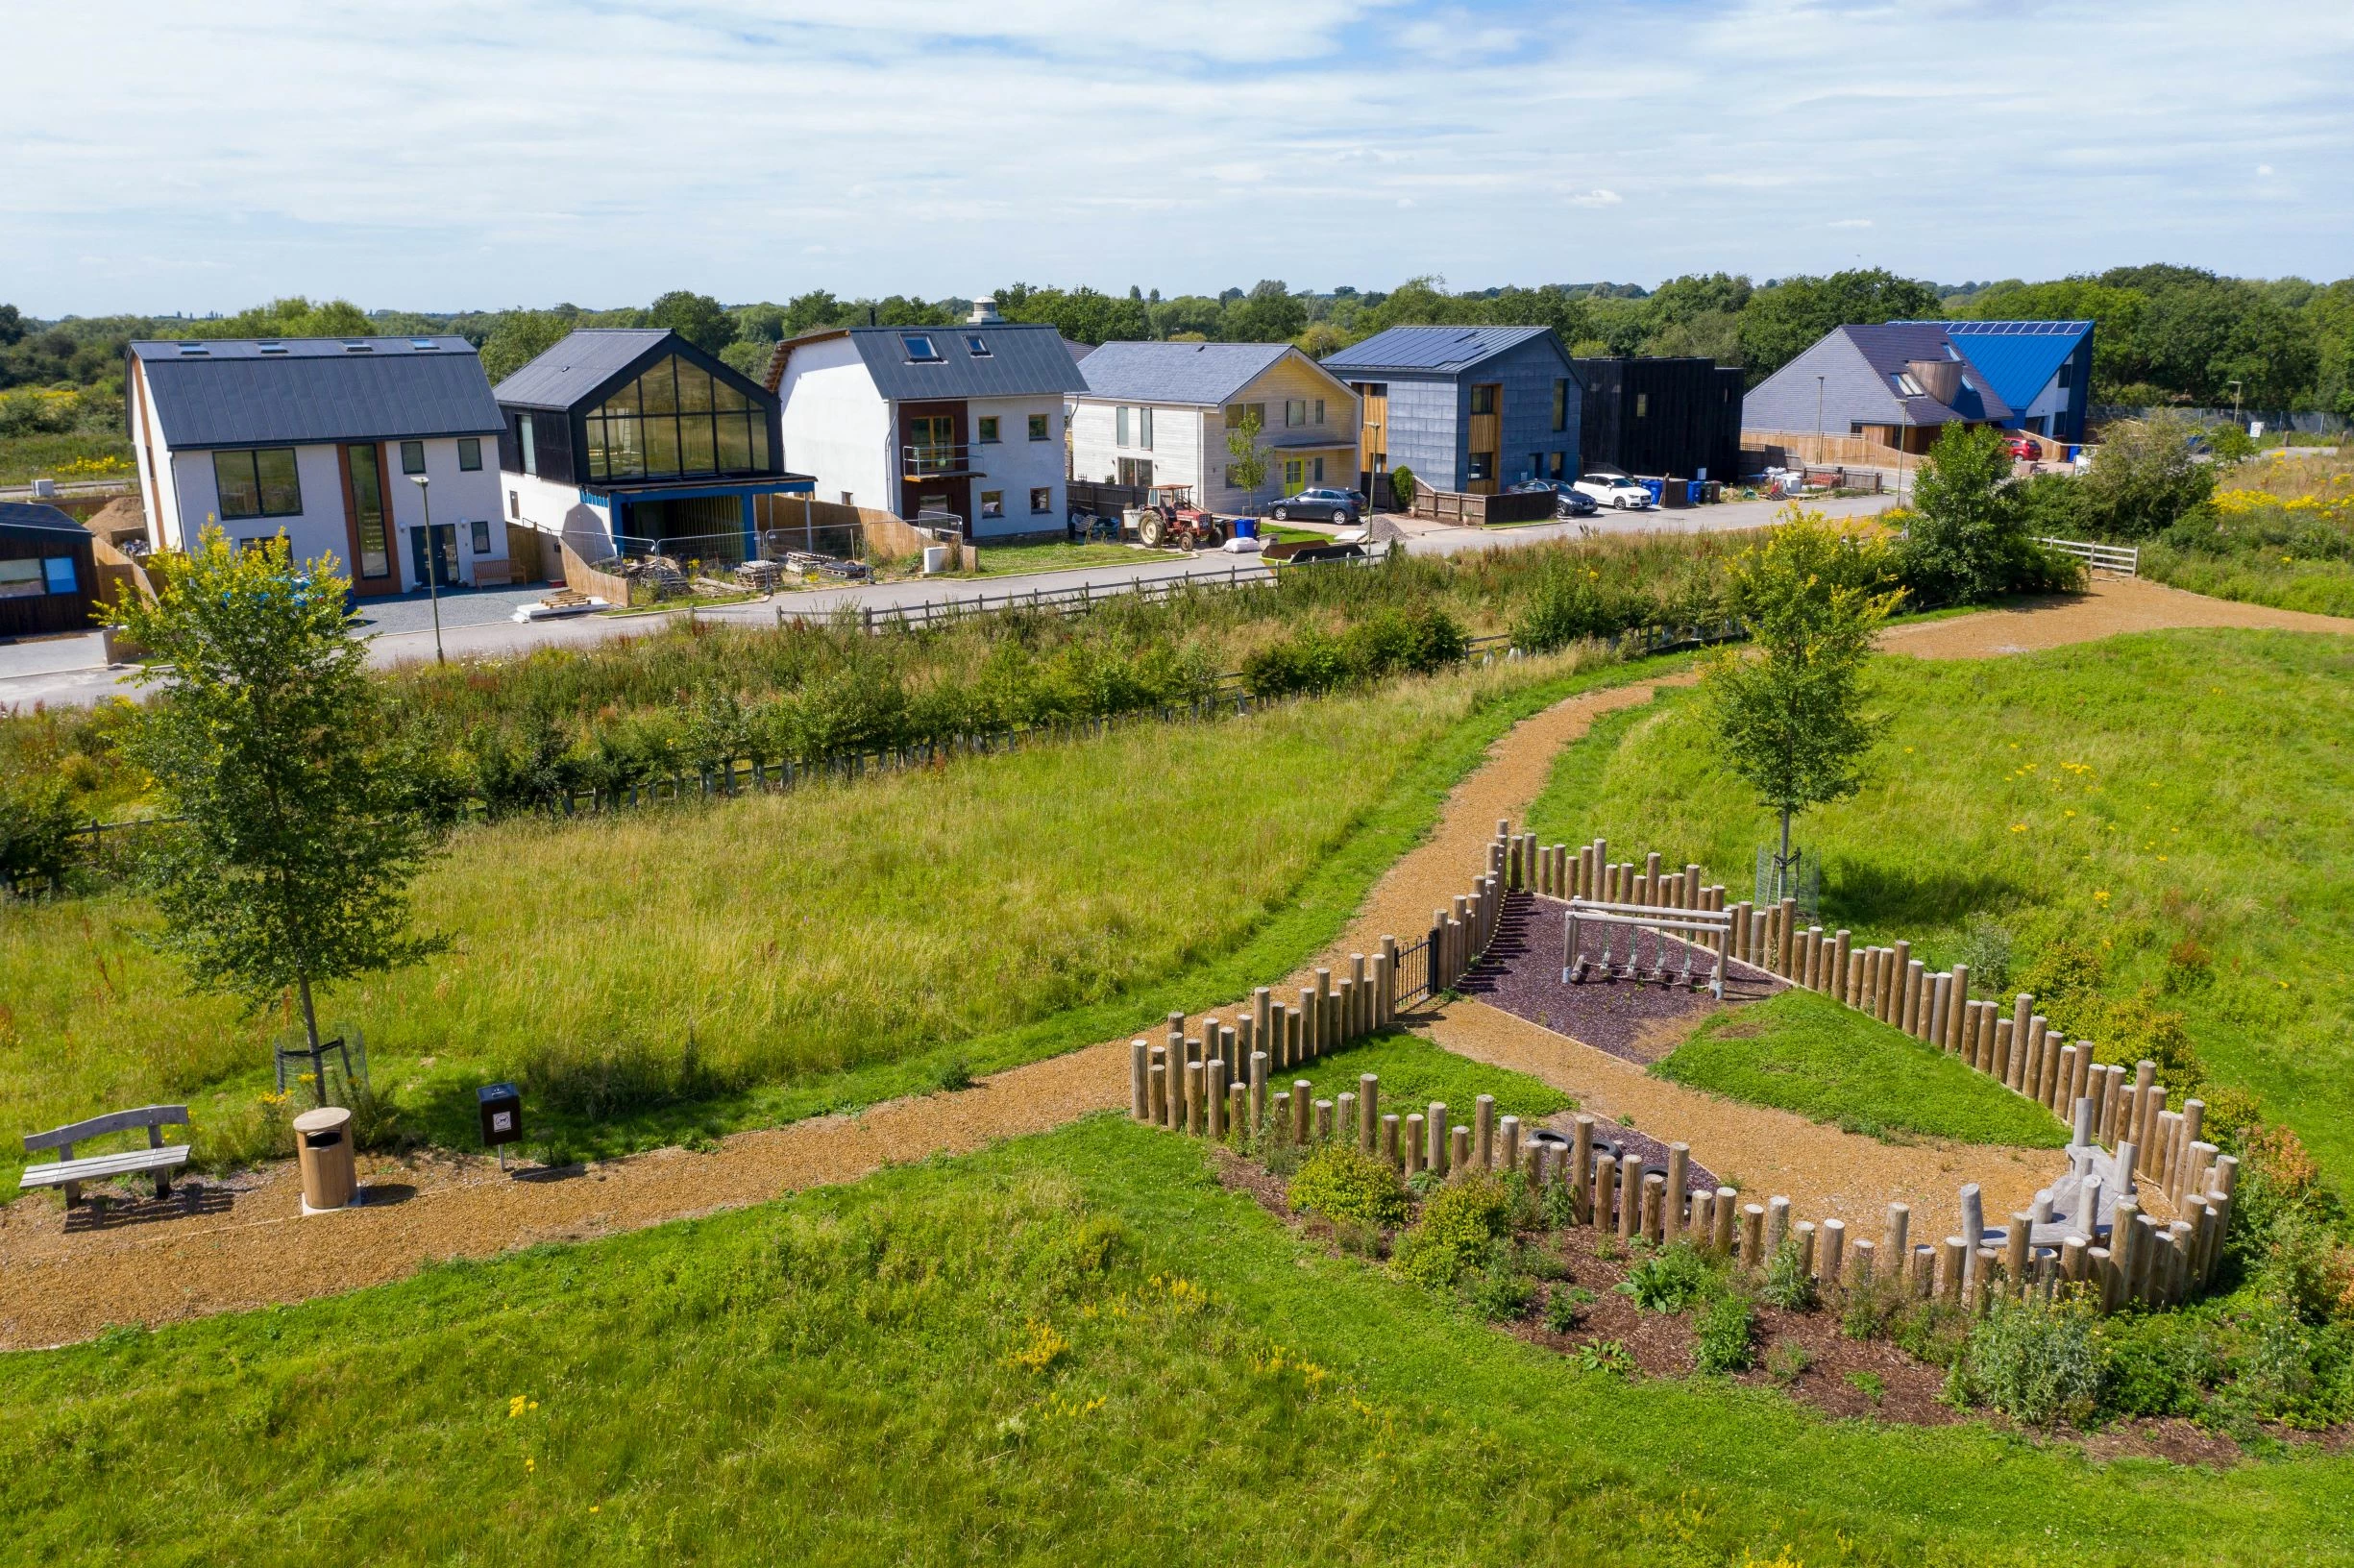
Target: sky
198,156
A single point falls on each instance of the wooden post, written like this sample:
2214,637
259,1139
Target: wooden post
1389,1138
1655,1202
1832,1242
1458,1150
2015,1255
1988,1028
1804,1231
1262,1014
1957,1254
1260,1065
1678,1172
1786,938
1581,1167
1302,1091
1507,1131
1727,1200
1894,967
1604,1213
1344,1013
2063,1074
1140,1079
2047,1084
1483,1144
1838,984
1752,1235
1368,1110
1324,1122
1436,1121
1214,1098
1982,1280
1951,1038
2023,1011
1777,1228
1237,1106
1859,1264
1895,1239
1940,992
1415,1144
1344,1116
2004,1032
1159,1116
1193,1096
1914,973
1385,984
1868,996
1629,1199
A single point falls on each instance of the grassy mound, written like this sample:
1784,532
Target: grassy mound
1074,1348
1805,1053
663,973
2150,833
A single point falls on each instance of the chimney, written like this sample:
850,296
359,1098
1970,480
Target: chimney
1940,378
984,311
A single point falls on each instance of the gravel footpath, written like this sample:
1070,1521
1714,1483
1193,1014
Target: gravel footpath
244,1246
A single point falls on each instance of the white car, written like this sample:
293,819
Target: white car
1614,490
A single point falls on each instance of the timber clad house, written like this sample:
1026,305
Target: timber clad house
1903,383
959,421
631,441
1665,416
319,439
48,572
1159,413
1467,409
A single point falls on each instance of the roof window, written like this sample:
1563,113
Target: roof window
426,344
273,348
194,349
1906,384
977,345
920,346
355,345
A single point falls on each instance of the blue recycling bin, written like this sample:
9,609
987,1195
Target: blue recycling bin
1246,528
1657,489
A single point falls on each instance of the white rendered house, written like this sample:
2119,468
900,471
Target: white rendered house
1160,413
965,421
321,439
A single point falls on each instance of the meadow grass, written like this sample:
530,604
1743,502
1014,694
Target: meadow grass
65,455
1072,1348
2279,532
2158,826
1802,1052
669,973
1414,1072
1013,560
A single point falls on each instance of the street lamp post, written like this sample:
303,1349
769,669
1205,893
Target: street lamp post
432,564
2235,405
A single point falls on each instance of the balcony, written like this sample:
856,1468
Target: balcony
937,460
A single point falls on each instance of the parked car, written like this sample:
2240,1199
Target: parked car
1617,491
1343,509
2022,449
1568,500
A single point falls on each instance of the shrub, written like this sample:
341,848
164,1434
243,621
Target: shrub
1872,1311
2033,1360
1457,1230
36,822
1565,1308
1787,1285
1402,487
1572,600
2146,478
1986,947
1670,1280
1723,1330
1785,1362
1502,1293
2158,1364
1348,1188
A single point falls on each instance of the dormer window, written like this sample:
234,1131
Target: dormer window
976,345
920,348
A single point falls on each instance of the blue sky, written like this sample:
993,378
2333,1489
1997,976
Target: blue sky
205,156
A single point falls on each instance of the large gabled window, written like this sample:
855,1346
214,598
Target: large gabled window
674,421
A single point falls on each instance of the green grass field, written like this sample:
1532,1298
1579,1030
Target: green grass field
1011,561
1807,1053
658,976
2156,827
1074,1348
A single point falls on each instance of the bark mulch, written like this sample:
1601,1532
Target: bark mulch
1634,1019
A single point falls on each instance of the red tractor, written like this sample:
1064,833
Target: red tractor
1169,518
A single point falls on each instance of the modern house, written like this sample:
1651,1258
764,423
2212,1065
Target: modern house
1467,409
964,421
1673,417
2042,369
48,579
320,439
629,441
1900,385
1161,413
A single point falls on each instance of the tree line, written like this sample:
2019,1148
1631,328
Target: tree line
2168,334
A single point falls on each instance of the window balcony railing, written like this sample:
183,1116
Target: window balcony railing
936,459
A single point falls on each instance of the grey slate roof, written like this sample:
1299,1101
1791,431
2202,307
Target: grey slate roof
23,517
261,392
1196,373
1025,359
1431,348
575,368
1888,347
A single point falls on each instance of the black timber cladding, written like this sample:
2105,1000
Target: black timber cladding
1665,416
300,391
35,533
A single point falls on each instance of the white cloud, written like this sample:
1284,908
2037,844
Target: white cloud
459,153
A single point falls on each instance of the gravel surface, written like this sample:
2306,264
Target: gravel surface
161,1263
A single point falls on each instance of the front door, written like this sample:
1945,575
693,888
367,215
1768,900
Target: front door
445,554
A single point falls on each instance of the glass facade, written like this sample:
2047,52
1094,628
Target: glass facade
673,421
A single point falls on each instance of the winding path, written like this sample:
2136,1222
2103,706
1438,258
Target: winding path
251,1249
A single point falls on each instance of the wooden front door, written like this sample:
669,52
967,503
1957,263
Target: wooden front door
1486,443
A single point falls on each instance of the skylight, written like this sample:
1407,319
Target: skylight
422,343
1906,384
920,346
353,345
194,348
977,345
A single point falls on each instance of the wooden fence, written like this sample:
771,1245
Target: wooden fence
2125,560
1476,511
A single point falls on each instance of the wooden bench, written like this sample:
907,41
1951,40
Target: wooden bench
159,1157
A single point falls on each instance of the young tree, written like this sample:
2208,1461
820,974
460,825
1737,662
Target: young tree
2145,476
1246,466
1969,540
298,830
1789,708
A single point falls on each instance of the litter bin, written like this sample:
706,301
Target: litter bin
322,1144
1246,528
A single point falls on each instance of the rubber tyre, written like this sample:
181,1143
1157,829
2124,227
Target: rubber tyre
1341,518
1281,514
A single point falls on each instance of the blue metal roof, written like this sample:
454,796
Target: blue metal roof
1431,347
1889,348
263,392
1195,373
2017,357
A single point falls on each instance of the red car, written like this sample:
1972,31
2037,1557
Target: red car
2024,450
